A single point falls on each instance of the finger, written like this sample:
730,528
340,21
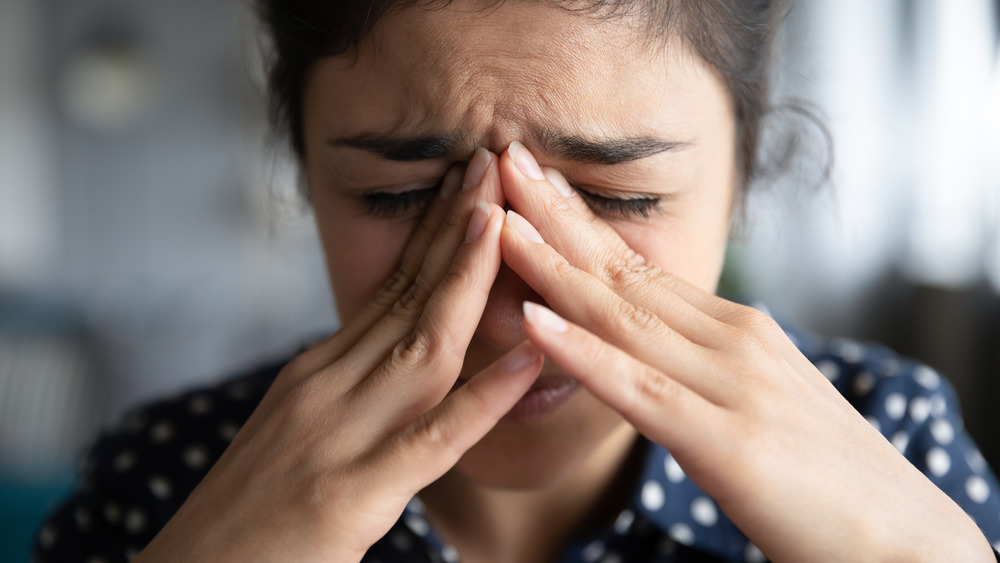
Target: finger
431,445
589,243
425,363
429,328
659,406
591,303
638,331
325,352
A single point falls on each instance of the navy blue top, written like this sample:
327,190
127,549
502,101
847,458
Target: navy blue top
138,474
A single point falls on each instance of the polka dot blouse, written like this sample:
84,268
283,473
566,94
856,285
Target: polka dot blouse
137,475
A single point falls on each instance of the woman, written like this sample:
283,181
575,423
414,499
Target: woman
524,208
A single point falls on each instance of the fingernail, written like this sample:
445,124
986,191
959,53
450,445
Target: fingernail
449,185
519,358
477,224
559,181
523,227
477,167
524,161
544,318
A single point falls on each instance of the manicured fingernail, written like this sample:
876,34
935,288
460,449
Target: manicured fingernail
519,358
477,167
544,318
480,216
524,161
559,181
450,184
523,227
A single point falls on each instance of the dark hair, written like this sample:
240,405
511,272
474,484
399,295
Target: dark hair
735,37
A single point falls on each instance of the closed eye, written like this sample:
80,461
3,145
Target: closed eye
623,208
390,205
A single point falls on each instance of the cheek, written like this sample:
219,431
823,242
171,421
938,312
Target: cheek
692,248
361,254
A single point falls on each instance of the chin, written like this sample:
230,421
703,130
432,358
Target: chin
541,451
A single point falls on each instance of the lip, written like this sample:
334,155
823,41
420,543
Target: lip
548,393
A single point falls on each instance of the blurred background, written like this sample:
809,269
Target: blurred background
151,237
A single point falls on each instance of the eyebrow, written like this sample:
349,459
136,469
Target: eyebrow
403,149
604,151
554,144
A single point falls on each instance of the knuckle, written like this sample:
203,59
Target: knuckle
411,301
436,435
625,271
415,349
648,385
756,322
394,286
631,319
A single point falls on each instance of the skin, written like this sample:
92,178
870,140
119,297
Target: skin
433,295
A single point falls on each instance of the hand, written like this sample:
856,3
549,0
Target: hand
749,419
355,426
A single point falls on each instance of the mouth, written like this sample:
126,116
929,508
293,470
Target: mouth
545,396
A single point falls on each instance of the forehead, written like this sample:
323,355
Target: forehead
508,72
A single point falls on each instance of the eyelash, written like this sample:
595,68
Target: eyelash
385,205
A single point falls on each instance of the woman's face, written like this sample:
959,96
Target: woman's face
654,123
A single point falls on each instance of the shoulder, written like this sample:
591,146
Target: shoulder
137,474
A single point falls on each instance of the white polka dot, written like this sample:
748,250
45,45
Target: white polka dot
47,537
417,524
938,461
942,431
850,350
863,383
890,367
874,422
160,487
926,377
134,423
415,506
449,554
624,521
703,511
239,390
976,461
592,551
135,521
123,461
895,406
667,546
195,457
228,431
82,518
200,404
682,533
753,554
401,541
131,553
112,513
652,495
673,470
900,440
920,409
829,369
161,432
611,558
977,489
